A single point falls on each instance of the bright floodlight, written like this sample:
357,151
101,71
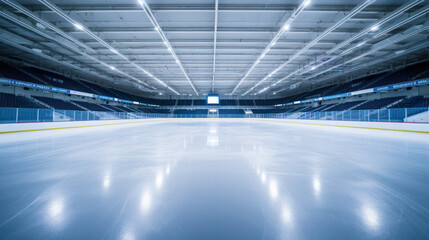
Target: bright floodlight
212,99
112,67
306,3
374,28
286,27
78,26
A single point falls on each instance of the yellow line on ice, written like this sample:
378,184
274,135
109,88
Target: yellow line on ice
187,119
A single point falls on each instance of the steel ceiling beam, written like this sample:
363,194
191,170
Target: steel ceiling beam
355,10
214,44
67,45
81,27
285,27
382,21
53,58
193,30
158,28
371,28
381,45
392,40
410,48
209,8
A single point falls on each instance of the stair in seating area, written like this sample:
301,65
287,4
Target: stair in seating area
77,105
394,103
355,106
41,103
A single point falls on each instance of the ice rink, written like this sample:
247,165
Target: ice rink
214,179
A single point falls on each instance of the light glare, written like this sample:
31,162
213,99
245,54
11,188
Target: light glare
78,26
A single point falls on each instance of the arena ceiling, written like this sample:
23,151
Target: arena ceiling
237,48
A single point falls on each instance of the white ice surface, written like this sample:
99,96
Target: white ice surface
214,179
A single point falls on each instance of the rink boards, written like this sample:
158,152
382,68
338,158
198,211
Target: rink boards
30,127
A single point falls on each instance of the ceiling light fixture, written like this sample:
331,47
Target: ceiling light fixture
285,27
374,28
306,3
78,26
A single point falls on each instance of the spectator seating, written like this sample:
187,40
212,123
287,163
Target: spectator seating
58,103
187,111
92,106
377,103
231,111
414,102
13,101
228,102
344,106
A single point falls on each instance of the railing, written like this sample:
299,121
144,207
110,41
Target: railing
20,115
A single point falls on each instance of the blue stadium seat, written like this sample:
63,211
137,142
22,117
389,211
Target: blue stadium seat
231,111
92,106
195,111
58,103
13,101
377,103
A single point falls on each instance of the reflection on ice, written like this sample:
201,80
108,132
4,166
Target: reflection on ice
212,140
263,177
370,217
159,180
56,208
128,235
141,191
274,192
55,212
145,201
316,185
286,215
106,181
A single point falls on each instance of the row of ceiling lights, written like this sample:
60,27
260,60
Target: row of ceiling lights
373,28
283,29
158,29
81,27
353,12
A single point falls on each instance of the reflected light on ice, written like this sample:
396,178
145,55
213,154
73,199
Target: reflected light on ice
145,201
212,140
106,181
167,170
316,185
286,215
370,217
128,235
274,192
55,212
159,180
263,177
56,208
